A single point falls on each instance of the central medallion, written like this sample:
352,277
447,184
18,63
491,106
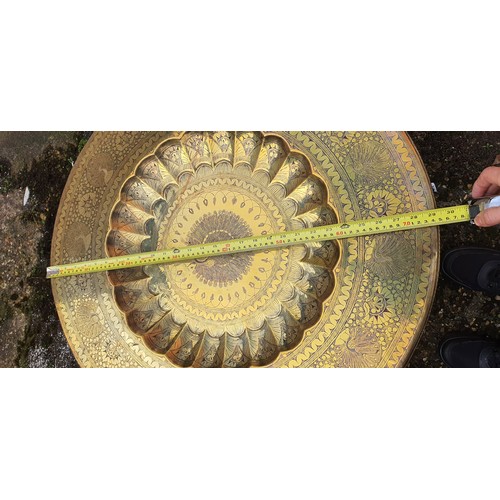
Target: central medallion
219,226
230,310
226,287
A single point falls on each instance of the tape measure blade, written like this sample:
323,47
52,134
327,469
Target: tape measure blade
349,229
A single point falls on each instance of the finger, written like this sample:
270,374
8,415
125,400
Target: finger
488,218
492,190
487,179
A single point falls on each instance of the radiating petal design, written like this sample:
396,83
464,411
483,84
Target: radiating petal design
358,351
387,255
235,310
380,203
367,162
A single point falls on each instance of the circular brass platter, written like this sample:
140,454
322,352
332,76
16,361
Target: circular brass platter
354,303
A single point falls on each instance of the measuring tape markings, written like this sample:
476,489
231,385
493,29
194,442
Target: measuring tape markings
385,224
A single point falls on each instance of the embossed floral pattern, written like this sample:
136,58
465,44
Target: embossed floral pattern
217,226
109,159
234,310
360,350
387,255
381,203
89,318
380,306
367,162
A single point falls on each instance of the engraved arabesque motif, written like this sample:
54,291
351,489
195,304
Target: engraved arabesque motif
383,284
233,310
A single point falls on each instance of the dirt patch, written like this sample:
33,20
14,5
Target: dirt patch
20,148
454,160
30,332
17,260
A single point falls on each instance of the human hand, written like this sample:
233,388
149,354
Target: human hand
487,184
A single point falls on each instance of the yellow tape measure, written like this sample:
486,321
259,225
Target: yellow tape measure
386,224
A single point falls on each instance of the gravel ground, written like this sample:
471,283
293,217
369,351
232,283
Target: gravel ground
454,160
30,332
31,335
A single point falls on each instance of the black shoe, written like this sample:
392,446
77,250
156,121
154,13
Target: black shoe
470,352
474,268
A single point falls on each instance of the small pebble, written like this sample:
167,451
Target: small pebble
26,196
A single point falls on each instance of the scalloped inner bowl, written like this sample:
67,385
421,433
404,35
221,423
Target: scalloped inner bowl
234,310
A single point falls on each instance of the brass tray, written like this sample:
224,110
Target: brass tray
353,303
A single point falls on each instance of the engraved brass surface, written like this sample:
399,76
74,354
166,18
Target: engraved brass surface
357,302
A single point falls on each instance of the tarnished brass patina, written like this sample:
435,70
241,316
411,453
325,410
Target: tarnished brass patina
357,302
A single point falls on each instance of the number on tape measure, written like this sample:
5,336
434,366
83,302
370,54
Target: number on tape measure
342,230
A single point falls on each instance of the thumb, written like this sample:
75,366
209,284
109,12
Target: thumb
488,218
